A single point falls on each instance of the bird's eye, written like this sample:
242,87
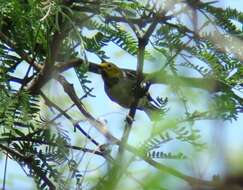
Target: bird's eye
109,66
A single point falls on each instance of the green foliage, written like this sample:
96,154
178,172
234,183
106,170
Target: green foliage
95,43
115,34
163,155
37,38
18,108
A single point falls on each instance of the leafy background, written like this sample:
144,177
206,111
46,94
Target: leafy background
40,142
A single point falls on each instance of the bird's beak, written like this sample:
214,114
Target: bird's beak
102,65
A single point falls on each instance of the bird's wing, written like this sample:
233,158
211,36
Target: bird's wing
130,75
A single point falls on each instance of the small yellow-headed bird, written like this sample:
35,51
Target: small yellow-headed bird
120,85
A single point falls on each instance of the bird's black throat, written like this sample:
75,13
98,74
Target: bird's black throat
109,81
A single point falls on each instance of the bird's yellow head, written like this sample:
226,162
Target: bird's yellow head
110,70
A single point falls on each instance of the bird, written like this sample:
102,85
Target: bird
120,87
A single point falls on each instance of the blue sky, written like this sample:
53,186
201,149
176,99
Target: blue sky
221,136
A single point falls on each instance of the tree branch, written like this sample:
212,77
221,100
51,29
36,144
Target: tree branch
46,72
68,88
27,139
142,42
75,125
209,84
18,51
195,182
138,21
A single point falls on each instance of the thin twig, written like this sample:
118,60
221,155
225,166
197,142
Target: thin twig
65,114
68,88
163,168
18,51
28,139
5,169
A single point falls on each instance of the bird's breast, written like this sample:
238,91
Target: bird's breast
121,93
